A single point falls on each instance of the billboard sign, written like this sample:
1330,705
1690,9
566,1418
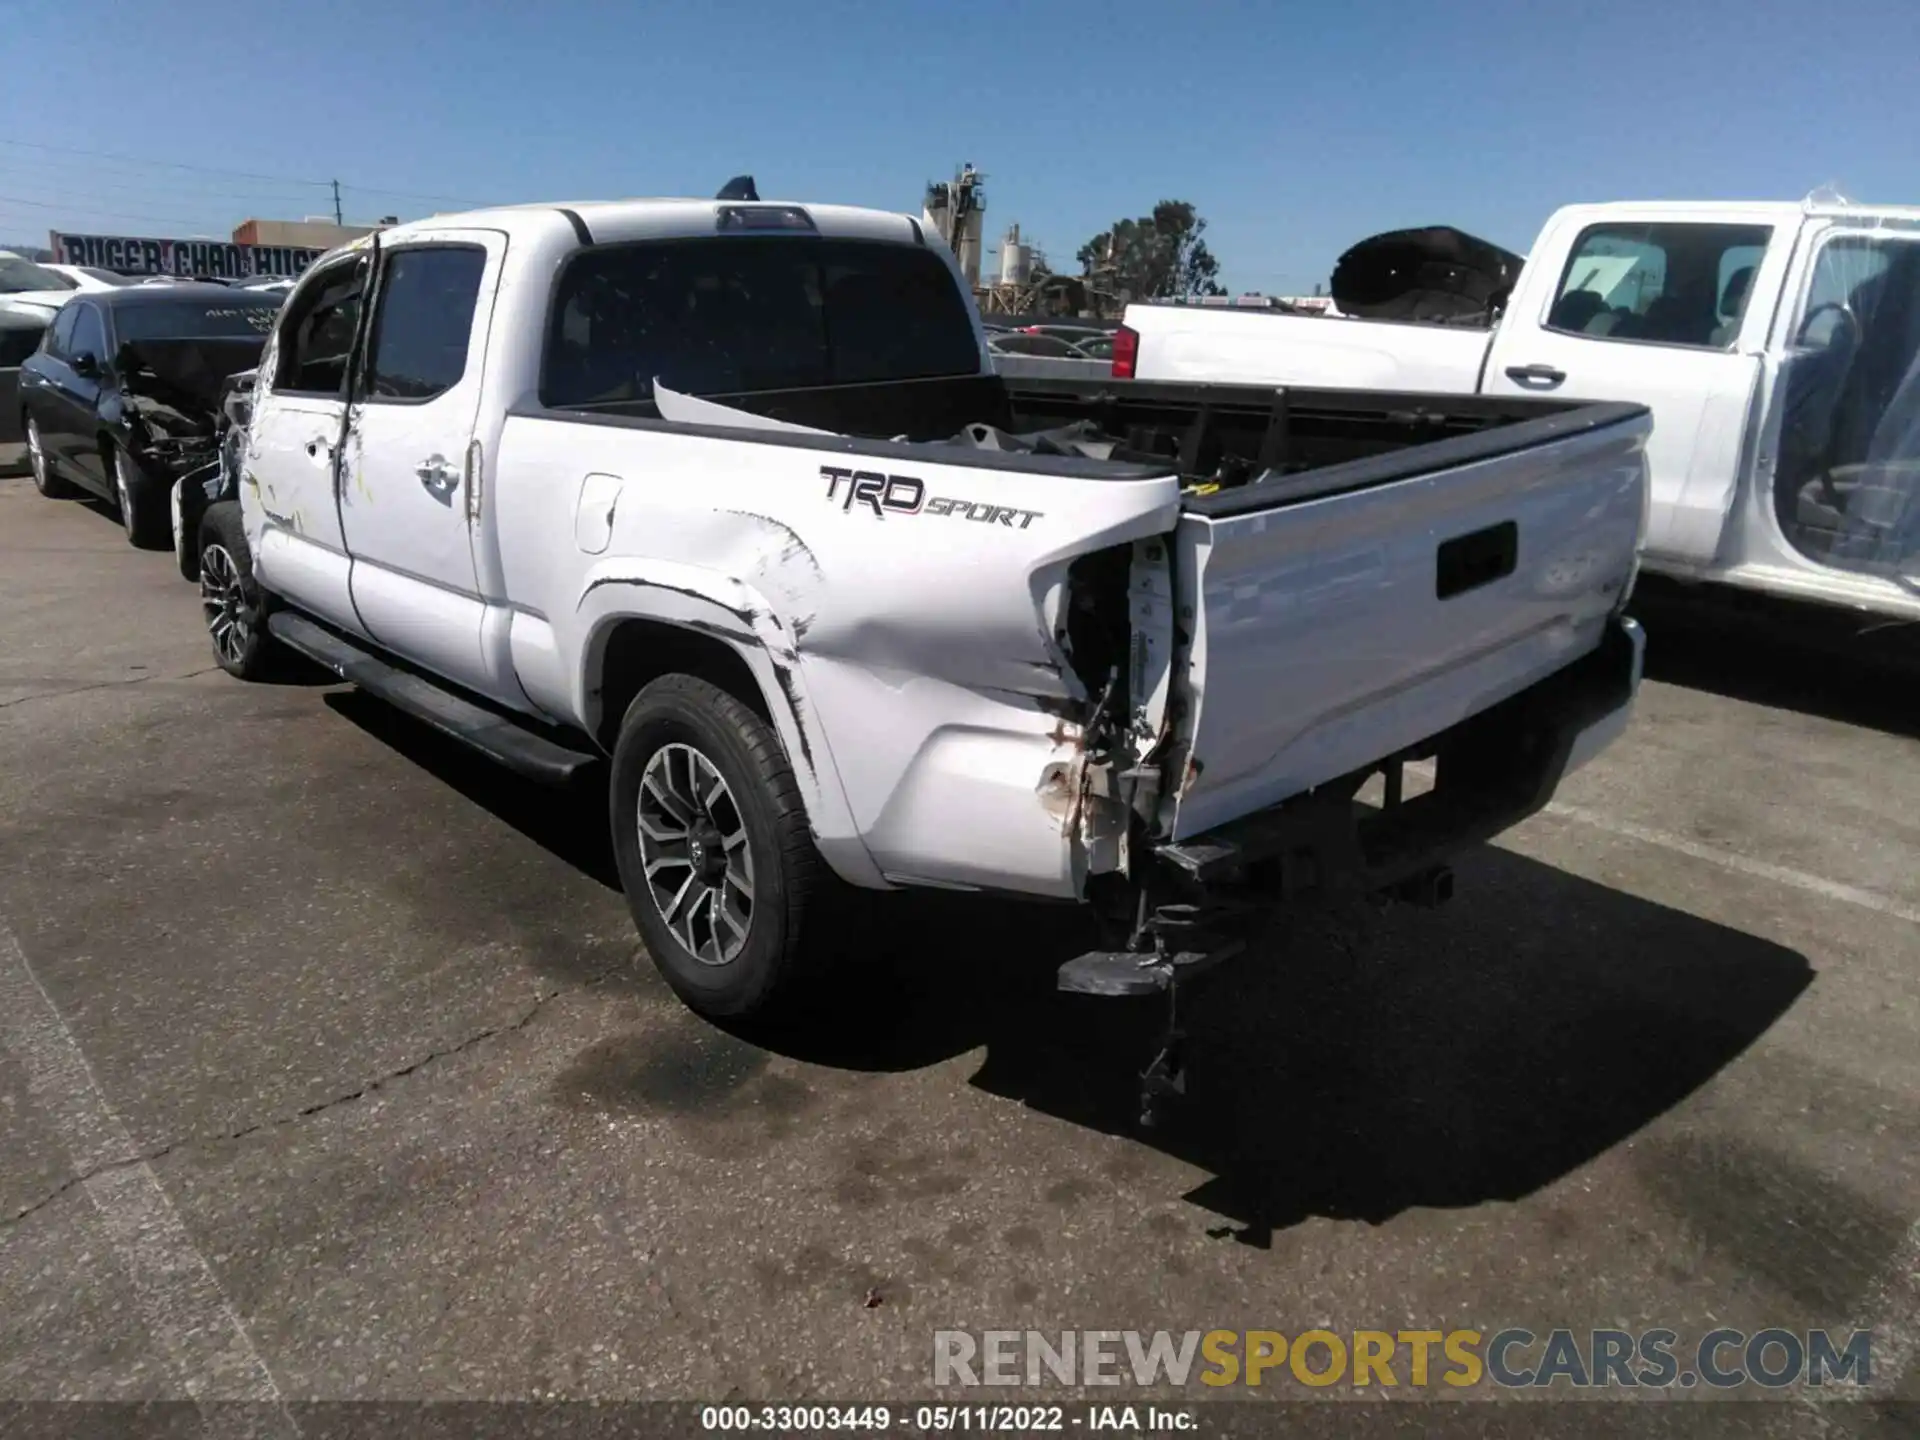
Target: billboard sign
146,255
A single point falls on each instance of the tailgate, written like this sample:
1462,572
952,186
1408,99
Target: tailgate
1343,615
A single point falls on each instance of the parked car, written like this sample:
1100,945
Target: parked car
1073,332
20,334
28,287
1775,343
1025,342
88,277
123,395
840,602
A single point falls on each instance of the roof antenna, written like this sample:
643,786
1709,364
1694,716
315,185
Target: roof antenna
740,187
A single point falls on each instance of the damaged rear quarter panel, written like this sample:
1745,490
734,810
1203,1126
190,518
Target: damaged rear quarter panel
910,657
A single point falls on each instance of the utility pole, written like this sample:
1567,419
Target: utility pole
336,204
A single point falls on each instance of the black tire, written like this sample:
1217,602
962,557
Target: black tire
186,539
45,479
141,500
235,607
670,718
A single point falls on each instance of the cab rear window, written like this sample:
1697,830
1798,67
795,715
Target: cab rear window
738,314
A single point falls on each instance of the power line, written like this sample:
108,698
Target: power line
242,174
174,193
84,208
167,164
415,195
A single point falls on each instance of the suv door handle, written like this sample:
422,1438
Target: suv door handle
440,478
1535,374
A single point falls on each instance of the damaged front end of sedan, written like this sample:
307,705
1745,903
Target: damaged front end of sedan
199,445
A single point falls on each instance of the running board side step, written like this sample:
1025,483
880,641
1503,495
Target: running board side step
492,734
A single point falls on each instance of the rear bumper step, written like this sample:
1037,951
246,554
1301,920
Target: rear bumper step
1493,771
492,734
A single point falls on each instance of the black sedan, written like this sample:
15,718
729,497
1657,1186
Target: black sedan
123,395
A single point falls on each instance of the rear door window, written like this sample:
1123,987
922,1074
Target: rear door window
1678,284
739,314
424,319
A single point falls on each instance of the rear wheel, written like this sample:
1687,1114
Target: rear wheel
143,510
44,480
713,848
234,605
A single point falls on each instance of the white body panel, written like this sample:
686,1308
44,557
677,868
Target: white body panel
1321,644
912,665
406,502
293,526
1254,347
1712,515
1702,399
911,646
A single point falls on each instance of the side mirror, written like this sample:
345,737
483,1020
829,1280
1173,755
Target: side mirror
86,365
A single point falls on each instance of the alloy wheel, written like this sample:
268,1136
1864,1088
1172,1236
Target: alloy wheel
694,853
224,599
36,454
123,487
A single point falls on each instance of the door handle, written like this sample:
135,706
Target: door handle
318,448
1535,374
440,478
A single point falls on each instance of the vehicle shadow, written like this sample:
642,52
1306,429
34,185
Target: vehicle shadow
1810,659
1348,1066
570,823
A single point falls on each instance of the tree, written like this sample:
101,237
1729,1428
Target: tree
1156,257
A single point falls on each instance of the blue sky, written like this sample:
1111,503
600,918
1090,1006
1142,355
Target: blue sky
1296,129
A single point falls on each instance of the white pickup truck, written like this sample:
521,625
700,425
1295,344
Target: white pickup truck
730,493
1778,346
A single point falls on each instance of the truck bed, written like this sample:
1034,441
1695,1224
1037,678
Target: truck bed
1242,448
1347,574
1298,442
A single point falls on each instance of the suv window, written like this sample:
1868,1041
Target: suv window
424,317
316,335
89,335
1681,284
737,314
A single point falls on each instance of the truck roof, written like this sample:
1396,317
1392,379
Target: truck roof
605,221
1780,211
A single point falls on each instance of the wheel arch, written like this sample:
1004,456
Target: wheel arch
628,643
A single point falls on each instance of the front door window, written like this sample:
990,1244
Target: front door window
1847,486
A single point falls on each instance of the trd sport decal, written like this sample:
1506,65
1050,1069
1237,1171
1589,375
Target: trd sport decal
903,495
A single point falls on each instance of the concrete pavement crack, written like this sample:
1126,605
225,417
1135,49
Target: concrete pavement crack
102,685
318,1107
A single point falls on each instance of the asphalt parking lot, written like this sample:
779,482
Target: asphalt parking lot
329,1067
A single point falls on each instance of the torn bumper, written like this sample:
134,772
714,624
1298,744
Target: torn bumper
1492,771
